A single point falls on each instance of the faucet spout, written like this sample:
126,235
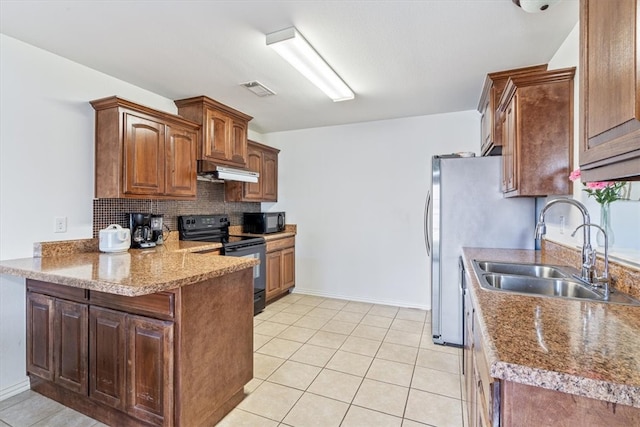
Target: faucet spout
541,230
604,279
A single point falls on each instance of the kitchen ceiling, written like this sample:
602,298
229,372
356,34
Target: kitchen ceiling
401,58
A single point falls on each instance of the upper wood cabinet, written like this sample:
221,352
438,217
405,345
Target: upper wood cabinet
264,160
491,143
536,111
610,90
143,153
223,137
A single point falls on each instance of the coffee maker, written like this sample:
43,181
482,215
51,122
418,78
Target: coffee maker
142,235
157,230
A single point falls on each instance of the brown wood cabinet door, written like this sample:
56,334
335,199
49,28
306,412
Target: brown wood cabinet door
288,268
486,126
217,132
274,274
253,191
610,89
70,340
107,356
144,146
509,147
269,177
238,142
40,335
150,370
180,162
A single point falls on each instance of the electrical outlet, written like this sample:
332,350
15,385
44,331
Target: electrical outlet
562,224
60,224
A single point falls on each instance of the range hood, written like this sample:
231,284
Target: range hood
208,171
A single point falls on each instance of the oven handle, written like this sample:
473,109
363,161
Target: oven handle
240,248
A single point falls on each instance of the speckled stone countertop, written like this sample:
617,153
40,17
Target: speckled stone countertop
135,272
584,348
176,263
290,230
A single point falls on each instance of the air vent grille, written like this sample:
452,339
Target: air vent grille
258,88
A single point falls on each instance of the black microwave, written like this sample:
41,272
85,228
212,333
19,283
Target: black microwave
263,222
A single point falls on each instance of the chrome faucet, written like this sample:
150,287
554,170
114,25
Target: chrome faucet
588,257
603,280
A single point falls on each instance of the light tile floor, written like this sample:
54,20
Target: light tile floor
326,362
322,362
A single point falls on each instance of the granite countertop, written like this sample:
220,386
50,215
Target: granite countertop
584,348
132,273
176,263
290,230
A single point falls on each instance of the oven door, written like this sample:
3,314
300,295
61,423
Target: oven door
259,271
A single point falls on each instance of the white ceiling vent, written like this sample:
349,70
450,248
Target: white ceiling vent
258,88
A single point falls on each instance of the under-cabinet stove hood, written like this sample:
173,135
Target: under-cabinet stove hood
208,171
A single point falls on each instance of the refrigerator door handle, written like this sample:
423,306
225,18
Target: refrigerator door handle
427,226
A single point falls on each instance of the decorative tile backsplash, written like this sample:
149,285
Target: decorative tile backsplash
210,200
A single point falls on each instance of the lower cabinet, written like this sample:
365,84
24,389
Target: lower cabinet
149,372
108,363
131,360
482,391
152,360
56,349
495,402
281,266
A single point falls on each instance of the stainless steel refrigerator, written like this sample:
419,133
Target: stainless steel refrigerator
465,208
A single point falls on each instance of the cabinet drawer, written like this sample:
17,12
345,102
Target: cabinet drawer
275,245
160,305
60,291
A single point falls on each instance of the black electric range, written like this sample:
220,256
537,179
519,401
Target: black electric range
215,228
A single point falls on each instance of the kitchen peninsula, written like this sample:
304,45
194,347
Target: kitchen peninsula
144,337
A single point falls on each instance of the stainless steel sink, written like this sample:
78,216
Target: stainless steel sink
542,280
533,270
532,285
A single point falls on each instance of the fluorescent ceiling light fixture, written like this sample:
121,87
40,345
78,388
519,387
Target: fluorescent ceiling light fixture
290,44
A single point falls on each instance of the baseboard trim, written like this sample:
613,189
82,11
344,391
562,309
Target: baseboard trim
402,304
17,388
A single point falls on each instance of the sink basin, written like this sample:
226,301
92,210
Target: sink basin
549,287
542,280
532,270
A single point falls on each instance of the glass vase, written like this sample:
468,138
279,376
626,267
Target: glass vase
605,223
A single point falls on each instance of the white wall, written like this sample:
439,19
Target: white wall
46,170
625,213
357,193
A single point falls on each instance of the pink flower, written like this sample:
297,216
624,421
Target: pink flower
604,192
599,185
575,175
